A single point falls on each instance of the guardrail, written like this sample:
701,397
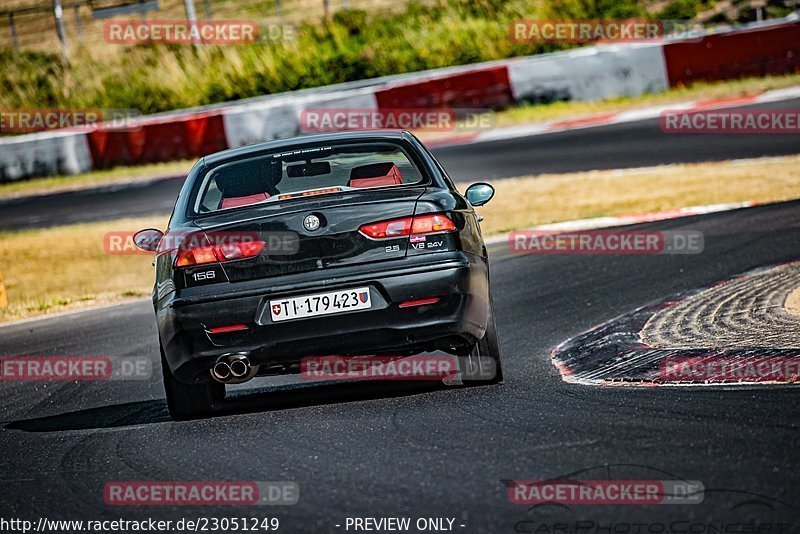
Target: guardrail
590,73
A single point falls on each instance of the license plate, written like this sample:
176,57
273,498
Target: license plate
320,304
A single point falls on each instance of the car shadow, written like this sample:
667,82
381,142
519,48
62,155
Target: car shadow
250,401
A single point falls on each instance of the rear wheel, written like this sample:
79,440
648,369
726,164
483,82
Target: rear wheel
185,401
483,365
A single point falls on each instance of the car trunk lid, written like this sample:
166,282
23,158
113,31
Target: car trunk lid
295,244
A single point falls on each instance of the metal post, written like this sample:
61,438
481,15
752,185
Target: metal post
327,8
207,7
78,23
279,9
14,38
191,17
62,36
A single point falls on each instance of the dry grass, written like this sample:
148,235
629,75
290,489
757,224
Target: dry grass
699,91
36,31
58,269
53,270
532,200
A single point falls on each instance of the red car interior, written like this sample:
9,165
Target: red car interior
245,189
248,185
235,202
375,175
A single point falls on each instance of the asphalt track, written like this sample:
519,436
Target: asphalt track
627,145
378,450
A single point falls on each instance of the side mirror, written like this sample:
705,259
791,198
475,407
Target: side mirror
480,193
148,239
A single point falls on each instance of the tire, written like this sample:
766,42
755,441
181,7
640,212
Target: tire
483,364
185,401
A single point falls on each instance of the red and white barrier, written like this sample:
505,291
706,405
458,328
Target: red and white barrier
591,73
44,154
481,87
279,118
155,140
773,49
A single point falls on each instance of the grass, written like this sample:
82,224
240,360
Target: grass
351,45
533,200
39,32
65,268
371,38
510,117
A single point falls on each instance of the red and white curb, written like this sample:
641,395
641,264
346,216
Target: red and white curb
605,119
625,220
670,341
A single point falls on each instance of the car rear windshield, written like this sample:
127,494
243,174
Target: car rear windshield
287,174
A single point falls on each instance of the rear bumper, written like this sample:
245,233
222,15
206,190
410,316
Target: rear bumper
459,317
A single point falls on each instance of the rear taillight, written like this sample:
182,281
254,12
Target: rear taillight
431,224
196,256
418,225
218,253
239,250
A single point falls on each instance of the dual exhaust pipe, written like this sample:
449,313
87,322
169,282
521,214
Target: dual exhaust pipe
233,368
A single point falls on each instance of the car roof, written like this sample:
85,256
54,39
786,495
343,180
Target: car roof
372,135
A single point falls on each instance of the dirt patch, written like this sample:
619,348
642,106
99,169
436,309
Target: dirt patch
792,303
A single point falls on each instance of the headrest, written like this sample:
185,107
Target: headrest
248,178
372,171
375,175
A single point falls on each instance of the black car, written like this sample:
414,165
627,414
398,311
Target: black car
340,244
